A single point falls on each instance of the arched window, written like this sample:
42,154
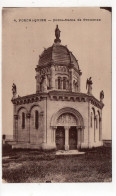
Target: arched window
36,119
64,83
23,120
74,85
59,82
91,119
96,122
48,82
99,125
67,83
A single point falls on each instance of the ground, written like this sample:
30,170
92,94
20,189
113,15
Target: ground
35,167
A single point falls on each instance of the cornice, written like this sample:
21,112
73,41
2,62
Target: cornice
70,66
29,98
58,96
76,97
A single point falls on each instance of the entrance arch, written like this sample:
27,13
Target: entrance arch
68,125
70,111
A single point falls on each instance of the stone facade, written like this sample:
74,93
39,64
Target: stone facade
58,116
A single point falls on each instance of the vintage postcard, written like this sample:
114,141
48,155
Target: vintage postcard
56,95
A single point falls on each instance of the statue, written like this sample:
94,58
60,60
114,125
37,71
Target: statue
101,95
14,89
57,34
89,85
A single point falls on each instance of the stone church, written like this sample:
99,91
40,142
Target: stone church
58,116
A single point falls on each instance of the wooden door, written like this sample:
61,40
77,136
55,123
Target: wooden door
60,138
73,138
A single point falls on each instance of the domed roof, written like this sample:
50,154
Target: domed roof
58,54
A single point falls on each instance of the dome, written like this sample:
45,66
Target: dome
58,54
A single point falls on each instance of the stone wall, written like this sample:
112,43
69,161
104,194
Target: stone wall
95,131
30,133
44,135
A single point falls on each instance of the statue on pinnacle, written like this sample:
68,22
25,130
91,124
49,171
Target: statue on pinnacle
57,34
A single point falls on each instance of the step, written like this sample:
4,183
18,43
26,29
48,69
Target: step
69,152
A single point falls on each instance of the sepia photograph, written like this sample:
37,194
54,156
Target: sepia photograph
56,94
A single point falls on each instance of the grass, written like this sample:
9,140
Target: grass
34,166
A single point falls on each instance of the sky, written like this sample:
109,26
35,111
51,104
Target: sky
23,42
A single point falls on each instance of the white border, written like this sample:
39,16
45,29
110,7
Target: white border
55,3
65,188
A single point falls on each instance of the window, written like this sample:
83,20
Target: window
59,83
64,83
91,119
74,85
67,84
96,122
48,82
36,119
23,120
77,86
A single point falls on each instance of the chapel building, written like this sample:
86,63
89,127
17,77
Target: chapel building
58,116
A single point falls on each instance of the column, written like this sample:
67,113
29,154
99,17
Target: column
67,84
61,83
28,124
78,137
54,135
67,137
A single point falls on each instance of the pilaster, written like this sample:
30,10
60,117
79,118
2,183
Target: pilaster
53,139
62,83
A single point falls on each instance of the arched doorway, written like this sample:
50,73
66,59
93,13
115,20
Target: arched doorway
68,129
68,126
